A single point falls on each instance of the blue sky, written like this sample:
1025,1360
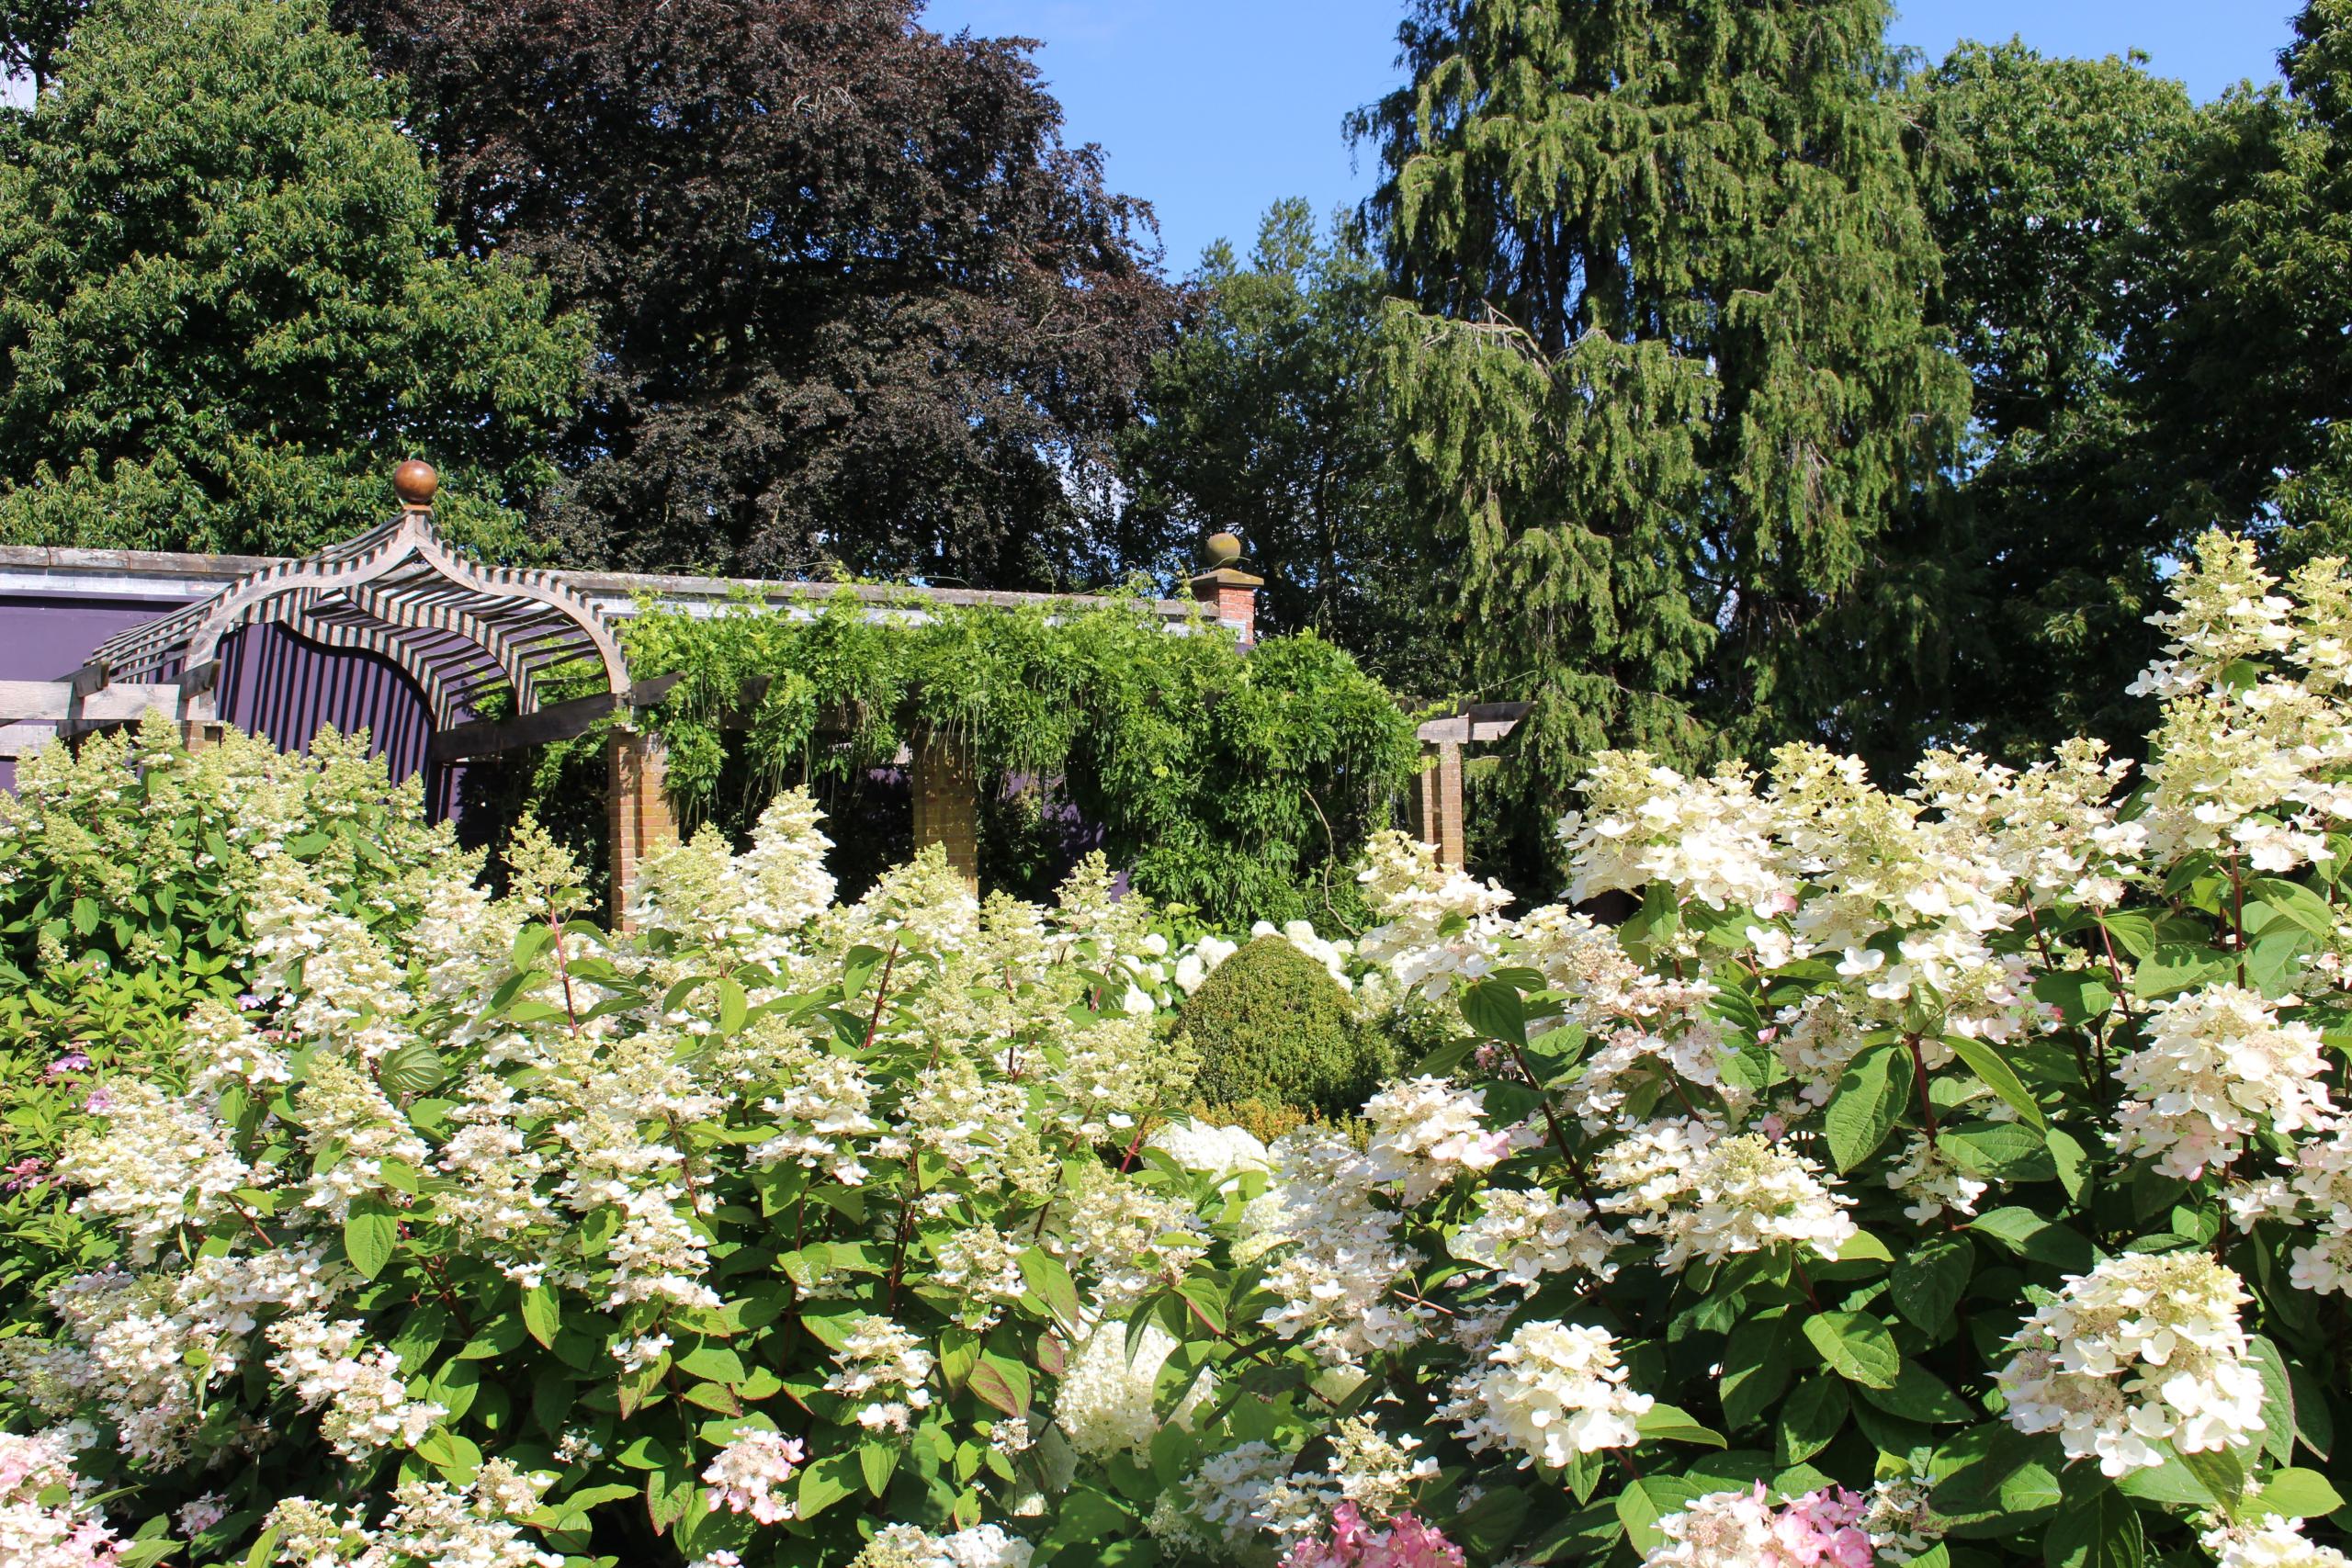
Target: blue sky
1212,109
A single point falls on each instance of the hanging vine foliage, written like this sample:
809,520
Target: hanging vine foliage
1233,782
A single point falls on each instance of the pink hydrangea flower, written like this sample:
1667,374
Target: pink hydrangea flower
1406,1543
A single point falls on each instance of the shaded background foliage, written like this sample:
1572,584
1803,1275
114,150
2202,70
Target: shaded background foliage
855,300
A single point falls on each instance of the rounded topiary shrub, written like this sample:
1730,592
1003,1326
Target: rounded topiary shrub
1272,1026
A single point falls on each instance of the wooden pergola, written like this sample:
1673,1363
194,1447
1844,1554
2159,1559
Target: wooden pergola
467,637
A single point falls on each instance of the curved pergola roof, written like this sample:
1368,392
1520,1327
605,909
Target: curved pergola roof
460,631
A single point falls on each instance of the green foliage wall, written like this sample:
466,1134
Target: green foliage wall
1227,780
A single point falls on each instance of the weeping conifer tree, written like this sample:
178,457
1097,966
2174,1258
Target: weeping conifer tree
1660,353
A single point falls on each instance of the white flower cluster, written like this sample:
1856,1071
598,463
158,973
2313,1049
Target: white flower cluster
2145,1350
749,1474
886,1368
1104,1404
366,1398
1437,922
2217,1067
1222,1151
1710,1197
1337,1251
1699,837
910,1546
1524,1236
752,905
1134,1240
1426,1133
158,1163
1550,1391
2272,1541
46,1520
472,1526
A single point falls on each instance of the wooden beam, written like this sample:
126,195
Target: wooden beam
55,700
1478,721
559,721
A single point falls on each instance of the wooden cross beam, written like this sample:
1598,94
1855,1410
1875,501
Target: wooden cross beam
557,721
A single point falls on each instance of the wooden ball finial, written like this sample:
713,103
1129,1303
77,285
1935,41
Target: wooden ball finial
416,482
1222,549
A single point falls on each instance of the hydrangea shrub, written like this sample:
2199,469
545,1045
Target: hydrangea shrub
128,869
778,1230
1952,1177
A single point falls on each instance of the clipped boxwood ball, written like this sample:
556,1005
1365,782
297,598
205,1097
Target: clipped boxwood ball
1271,1025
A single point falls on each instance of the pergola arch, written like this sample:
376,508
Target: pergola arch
460,632
398,590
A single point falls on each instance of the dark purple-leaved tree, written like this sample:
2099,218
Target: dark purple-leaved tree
857,302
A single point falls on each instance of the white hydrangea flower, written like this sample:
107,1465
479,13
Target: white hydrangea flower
66,1531
2271,1542
2145,1350
1524,1236
1702,837
2216,1067
883,1365
1550,1391
367,1399
1221,1152
1426,1132
1104,1404
1712,1198
983,1546
1439,922
747,1475
1335,1252
159,1162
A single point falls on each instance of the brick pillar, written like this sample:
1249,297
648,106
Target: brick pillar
1437,804
947,801
638,807
1232,597
1230,593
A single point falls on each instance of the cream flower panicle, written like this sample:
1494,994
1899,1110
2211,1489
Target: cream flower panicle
1550,1391
2145,1350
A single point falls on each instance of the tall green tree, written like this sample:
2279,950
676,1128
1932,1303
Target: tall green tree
1668,384
2244,374
1266,417
2050,185
856,301
229,309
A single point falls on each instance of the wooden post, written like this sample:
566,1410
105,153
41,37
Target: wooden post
947,801
637,803
1437,804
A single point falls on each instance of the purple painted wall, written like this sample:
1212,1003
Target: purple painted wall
272,682
43,638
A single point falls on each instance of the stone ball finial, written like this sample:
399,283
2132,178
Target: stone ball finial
1221,550
416,482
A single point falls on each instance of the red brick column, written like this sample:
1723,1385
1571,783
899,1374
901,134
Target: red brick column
638,803
947,801
1437,804
1230,593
